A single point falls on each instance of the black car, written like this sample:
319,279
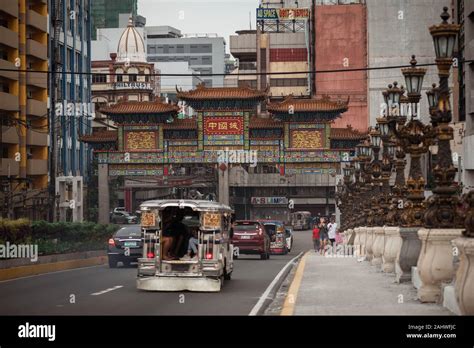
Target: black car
126,246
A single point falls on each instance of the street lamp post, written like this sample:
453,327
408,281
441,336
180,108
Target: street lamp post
415,138
442,206
376,171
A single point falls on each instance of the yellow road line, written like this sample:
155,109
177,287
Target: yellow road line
289,305
23,271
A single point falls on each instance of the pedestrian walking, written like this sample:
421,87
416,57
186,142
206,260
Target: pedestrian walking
323,235
316,240
332,228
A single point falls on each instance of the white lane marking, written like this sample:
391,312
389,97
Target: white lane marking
264,296
107,290
48,273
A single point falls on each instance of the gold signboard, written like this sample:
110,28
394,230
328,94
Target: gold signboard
211,221
148,219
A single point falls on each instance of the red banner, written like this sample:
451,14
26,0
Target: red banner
223,125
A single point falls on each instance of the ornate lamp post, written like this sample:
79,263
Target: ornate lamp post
375,169
441,211
415,138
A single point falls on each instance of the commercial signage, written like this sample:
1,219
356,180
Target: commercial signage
148,219
282,13
133,85
223,125
211,221
269,200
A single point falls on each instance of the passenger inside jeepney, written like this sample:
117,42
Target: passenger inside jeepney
174,235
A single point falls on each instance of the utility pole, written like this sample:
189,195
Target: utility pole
57,22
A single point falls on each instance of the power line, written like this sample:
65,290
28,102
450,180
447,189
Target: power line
236,74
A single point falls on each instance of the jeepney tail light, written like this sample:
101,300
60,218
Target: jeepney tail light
150,255
208,256
260,231
111,242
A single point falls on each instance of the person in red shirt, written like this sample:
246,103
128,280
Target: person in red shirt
316,241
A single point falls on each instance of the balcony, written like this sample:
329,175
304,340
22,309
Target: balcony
36,138
8,102
8,37
39,80
36,49
36,108
10,167
10,7
37,167
12,75
36,20
10,135
277,180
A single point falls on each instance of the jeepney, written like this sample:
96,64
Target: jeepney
213,262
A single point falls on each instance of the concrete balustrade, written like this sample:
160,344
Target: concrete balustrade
435,263
407,254
369,243
392,244
464,283
363,241
378,246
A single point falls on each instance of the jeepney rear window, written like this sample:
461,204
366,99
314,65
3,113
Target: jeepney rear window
270,228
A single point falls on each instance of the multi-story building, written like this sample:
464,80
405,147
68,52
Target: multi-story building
105,13
465,11
340,34
205,53
23,108
71,110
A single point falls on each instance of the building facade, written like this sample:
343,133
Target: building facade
466,97
204,53
105,13
71,111
23,108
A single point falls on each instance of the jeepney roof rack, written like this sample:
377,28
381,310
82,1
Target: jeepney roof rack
196,205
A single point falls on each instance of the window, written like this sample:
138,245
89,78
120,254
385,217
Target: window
288,82
207,60
180,49
100,78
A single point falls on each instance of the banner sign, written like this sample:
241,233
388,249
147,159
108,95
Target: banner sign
282,13
223,125
269,200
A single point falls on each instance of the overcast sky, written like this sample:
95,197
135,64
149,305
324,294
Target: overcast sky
222,17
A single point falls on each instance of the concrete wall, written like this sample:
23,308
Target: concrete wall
341,43
396,30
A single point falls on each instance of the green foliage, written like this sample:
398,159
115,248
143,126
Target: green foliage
56,237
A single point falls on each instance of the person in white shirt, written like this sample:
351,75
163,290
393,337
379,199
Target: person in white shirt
332,228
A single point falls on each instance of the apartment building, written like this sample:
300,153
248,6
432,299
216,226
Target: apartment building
23,108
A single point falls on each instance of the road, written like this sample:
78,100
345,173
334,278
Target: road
103,291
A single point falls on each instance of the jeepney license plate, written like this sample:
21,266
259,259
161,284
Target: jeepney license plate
130,244
245,237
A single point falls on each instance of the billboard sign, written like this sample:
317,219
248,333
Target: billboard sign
282,13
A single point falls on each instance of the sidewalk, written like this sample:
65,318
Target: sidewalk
344,286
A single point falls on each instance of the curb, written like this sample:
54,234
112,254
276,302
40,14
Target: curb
24,271
272,292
